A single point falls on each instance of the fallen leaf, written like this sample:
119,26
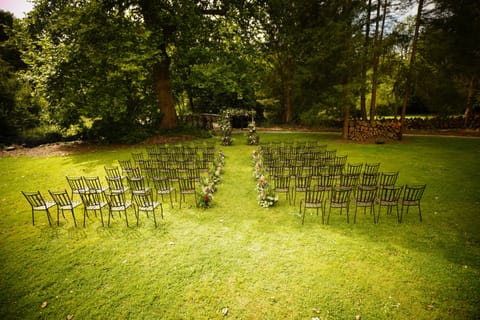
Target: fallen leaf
69,316
44,304
225,311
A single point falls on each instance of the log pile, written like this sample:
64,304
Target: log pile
380,132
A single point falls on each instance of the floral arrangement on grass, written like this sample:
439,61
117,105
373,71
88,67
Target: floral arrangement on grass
208,185
252,138
225,124
266,195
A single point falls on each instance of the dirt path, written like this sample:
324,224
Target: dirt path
66,148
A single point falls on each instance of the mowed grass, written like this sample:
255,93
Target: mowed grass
238,260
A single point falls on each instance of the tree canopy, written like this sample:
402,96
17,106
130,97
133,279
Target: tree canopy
117,70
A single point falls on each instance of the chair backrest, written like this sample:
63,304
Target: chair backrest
349,180
325,181
135,172
340,160
354,169
281,181
90,199
35,198
390,193
413,192
143,200
126,165
162,183
112,172
335,170
61,198
186,184
366,193
159,172
137,183
137,156
93,183
369,179
303,180
315,195
371,168
116,200
115,184
76,184
340,195
388,178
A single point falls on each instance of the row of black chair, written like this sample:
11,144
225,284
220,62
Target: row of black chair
94,197
328,179
341,197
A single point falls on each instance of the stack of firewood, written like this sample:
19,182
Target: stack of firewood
379,132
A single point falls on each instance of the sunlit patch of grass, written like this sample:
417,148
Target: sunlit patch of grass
253,262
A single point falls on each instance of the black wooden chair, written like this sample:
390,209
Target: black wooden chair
37,202
145,203
412,196
388,196
93,201
364,197
339,199
77,185
163,187
281,184
64,202
117,203
187,186
314,198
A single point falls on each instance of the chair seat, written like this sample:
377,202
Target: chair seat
149,207
122,207
47,205
74,204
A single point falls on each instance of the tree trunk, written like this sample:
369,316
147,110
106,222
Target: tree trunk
376,44
363,89
288,89
346,84
472,86
163,86
408,84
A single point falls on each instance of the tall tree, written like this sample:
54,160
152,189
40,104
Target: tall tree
453,45
408,85
365,64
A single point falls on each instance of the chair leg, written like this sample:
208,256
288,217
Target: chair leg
101,217
74,220
420,212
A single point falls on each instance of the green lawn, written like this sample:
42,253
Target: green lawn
259,263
